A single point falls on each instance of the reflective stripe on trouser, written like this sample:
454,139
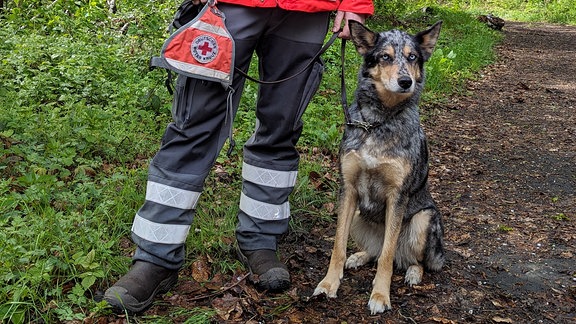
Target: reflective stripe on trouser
193,140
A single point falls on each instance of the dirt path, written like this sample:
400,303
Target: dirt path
505,162
503,172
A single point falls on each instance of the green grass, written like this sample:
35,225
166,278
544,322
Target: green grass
557,11
81,115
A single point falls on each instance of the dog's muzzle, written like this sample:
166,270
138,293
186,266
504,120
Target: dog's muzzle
405,82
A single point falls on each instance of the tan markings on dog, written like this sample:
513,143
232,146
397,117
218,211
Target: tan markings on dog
347,212
417,233
385,74
380,297
379,302
369,40
351,165
376,148
363,39
413,67
412,241
395,170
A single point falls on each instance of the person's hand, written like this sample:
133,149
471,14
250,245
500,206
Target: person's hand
197,2
342,17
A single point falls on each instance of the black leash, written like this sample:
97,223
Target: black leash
348,121
316,57
344,98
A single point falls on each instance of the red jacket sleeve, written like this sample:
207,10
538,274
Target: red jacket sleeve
357,6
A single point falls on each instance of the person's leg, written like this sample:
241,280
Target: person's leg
176,177
175,180
270,157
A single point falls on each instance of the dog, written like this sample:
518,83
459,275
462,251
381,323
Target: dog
384,201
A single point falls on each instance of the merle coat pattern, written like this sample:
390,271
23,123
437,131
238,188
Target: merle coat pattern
385,203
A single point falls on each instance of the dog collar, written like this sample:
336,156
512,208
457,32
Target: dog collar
362,124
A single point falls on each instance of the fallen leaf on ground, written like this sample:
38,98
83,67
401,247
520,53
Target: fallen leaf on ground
499,319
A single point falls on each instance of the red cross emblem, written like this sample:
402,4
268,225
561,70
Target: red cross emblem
204,48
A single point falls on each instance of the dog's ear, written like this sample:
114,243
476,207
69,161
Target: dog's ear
427,39
363,38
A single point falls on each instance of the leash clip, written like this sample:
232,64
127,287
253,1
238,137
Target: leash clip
360,124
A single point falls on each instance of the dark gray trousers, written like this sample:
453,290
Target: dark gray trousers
285,42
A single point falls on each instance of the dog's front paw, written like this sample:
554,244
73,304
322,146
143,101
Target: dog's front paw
327,287
379,303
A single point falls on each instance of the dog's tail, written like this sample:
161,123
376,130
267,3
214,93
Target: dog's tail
435,256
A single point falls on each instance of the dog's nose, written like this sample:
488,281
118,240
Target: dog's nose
405,82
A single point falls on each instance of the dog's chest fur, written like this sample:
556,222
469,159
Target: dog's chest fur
379,161
395,141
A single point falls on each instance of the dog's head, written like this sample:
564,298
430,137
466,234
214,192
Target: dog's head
394,60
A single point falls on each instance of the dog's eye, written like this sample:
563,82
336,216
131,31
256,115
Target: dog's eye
412,57
386,58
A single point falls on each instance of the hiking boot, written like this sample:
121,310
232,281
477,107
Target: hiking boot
266,271
135,291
